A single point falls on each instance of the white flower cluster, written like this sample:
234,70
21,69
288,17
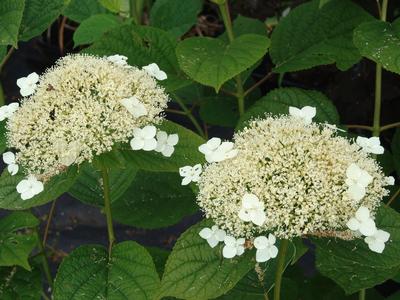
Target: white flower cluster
80,108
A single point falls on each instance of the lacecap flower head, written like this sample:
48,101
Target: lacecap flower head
80,108
291,179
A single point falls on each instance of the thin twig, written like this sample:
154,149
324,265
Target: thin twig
175,111
61,35
366,127
258,83
390,126
229,92
395,195
5,59
49,217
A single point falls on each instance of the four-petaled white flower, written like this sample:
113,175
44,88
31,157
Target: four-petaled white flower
154,71
233,247
6,111
9,159
29,187
27,84
362,222
266,248
389,180
217,151
252,210
213,235
370,145
117,59
307,113
357,180
166,143
377,241
144,138
190,174
134,106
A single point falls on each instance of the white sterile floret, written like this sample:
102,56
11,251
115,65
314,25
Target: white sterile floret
213,235
357,181
307,113
266,248
377,241
117,59
216,151
190,174
144,138
9,159
233,247
362,222
389,180
29,187
166,143
370,145
155,71
134,106
252,210
67,152
28,84
6,111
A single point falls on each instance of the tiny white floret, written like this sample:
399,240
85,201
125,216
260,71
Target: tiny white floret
144,138
377,241
9,159
252,210
389,180
134,106
370,145
233,247
213,235
190,174
154,71
266,248
6,111
357,181
216,151
362,222
307,113
29,187
166,143
117,59
28,84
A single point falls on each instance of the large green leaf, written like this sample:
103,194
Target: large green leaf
352,265
243,25
396,150
186,152
212,62
19,284
154,200
196,271
112,5
277,102
89,273
379,41
79,10
10,19
175,16
15,246
143,45
222,111
310,36
55,187
38,15
91,29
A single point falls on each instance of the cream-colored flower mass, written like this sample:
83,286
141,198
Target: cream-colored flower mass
297,171
77,112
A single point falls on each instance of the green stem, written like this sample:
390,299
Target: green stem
280,268
107,208
395,195
390,126
361,294
45,263
136,10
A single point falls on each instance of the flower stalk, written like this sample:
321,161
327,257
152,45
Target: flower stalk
107,208
280,268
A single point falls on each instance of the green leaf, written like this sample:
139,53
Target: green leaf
213,62
19,284
3,138
160,257
396,150
186,152
88,186
55,187
112,5
143,45
15,247
38,16
80,10
277,102
243,25
175,16
10,19
222,111
194,270
154,200
94,27
379,41
352,265
89,273
311,36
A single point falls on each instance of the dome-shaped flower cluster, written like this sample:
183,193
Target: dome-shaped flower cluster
290,178
80,108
